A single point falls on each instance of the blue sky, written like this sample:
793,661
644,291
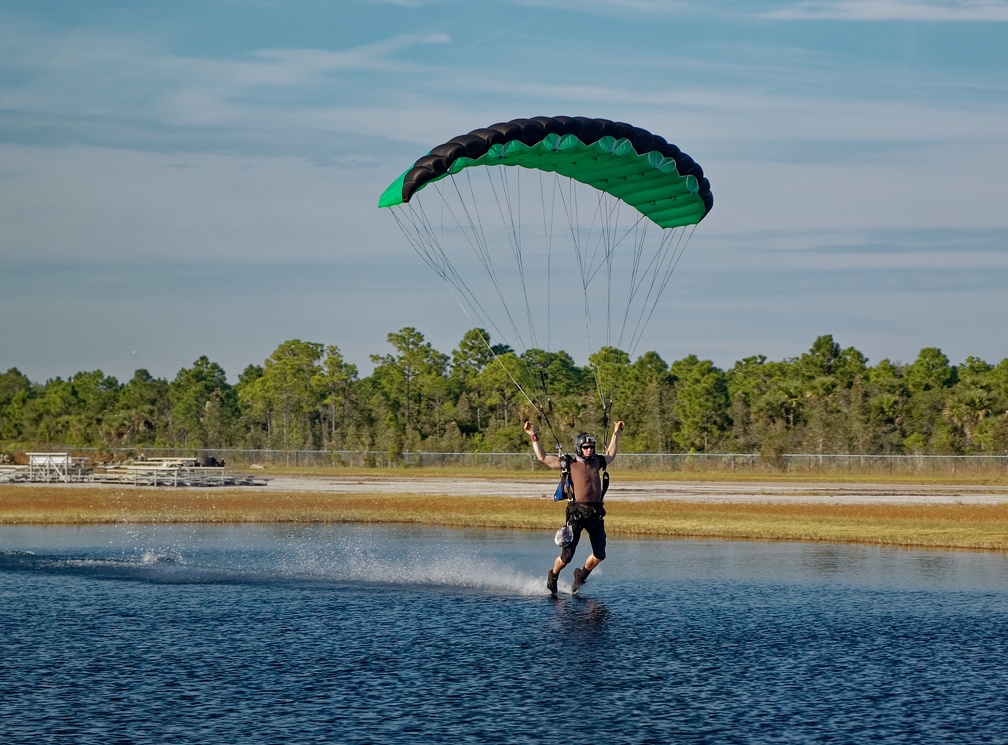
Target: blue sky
201,178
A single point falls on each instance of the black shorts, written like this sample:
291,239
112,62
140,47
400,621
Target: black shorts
590,518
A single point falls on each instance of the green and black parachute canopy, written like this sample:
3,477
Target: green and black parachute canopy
630,163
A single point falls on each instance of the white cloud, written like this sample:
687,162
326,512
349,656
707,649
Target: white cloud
618,8
91,73
947,11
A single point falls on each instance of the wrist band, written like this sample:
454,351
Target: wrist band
533,438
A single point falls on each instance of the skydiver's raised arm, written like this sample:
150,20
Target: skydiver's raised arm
550,460
610,453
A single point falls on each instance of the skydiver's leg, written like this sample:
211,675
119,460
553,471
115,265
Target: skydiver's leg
597,536
596,533
566,554
552,575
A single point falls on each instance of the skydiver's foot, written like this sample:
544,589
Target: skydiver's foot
551,582
580,577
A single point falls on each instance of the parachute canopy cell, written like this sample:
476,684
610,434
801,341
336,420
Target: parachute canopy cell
633,165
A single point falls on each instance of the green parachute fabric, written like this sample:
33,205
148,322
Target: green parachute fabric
638,167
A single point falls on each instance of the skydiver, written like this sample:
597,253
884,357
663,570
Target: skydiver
584,509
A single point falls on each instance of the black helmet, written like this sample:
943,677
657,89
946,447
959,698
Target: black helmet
582,439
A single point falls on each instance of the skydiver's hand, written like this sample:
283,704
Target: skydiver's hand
619,427
529,429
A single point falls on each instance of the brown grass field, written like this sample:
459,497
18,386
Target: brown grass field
946,526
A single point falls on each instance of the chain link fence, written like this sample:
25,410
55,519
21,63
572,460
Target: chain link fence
914,466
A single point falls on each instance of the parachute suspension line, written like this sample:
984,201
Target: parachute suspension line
638,277
549,226
661,267
604,210
639,229
543,408
608,240
545,411
612,217
508,199
416,242
604,225
421,236
506,211
611,221
476,237
538,375
538,406
570,205
508,202
604,222
605,371
677,253
636,232
548,213
513,228
548,237
509,209
424,240
647,279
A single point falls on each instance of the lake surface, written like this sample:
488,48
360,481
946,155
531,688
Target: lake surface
351,634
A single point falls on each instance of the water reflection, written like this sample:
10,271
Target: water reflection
582,616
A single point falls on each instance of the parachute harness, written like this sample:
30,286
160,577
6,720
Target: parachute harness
578,513
566,486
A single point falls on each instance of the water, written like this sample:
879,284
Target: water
349,634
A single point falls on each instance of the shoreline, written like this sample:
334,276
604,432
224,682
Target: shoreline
942,516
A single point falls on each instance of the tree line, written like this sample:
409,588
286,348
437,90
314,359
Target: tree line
306,396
